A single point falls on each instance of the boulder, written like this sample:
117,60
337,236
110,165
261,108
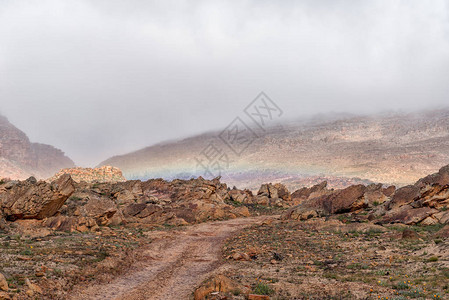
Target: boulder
340,201
442,217
36,200
308,193
375,194
218,283
277,190
441,178
346,200
408,215
403,196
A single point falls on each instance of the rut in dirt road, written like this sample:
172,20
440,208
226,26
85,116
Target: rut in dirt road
178,262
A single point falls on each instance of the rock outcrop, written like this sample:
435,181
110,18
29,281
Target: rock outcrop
31,199
102,174
19,158
69,206
426,202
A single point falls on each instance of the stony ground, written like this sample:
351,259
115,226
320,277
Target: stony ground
57,261
320,259
314,259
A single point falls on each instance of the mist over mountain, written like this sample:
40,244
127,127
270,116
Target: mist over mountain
392,148
20,158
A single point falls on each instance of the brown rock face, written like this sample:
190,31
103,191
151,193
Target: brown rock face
308,193
404,195
19,158
102,174
274,191
408,215
35,200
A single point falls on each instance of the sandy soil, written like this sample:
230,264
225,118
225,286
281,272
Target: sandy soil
176,262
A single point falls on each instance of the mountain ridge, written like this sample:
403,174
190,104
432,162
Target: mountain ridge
394,148
20,158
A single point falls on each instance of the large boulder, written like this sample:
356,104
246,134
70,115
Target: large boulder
403,196
305,193
408,215
36,200
274,191
340,201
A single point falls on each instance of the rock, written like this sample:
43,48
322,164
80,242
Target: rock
340,201
218,283
308,193
240,256
441,178
282,192
375,194
3,283
442,217
39,200
430,220
389,191
408,215
244,196
4,296
409,234
299,213
241,211
101,174
403,196
258,297
277,190
34,288
134,209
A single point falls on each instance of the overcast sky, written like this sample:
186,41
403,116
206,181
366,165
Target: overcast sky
98,78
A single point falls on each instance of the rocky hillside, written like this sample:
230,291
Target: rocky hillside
84,230
102,174
19,158
390,148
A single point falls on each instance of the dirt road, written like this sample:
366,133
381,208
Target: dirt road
177,262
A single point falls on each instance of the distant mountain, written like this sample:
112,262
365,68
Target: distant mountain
389,148
19,158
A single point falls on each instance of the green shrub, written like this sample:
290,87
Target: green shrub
263,289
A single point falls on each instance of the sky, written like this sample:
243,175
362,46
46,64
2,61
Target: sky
97,78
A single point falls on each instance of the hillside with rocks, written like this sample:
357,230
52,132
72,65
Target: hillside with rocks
392,148
19,158
273,242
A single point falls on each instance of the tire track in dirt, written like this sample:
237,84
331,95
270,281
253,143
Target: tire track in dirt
178,261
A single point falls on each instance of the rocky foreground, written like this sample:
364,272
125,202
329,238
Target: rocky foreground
362,242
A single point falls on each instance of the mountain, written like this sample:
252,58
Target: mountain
19,158
393,148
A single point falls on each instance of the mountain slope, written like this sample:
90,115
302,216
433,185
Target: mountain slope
19,158
390,148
